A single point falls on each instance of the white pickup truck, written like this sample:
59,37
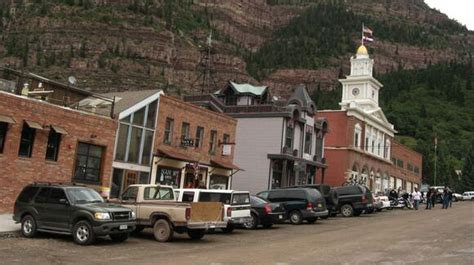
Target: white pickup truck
236,203
156,207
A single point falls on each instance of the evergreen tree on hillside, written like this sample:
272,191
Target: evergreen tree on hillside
467,180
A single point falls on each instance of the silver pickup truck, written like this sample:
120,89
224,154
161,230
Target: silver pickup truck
155,206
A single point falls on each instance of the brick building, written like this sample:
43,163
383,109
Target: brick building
164,140
360,146
40,141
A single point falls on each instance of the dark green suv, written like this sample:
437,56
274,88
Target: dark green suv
71,209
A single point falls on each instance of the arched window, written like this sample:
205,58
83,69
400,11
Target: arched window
357,135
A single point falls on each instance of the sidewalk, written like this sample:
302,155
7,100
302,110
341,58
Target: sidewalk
7,225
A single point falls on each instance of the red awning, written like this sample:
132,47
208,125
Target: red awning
175,155
225,165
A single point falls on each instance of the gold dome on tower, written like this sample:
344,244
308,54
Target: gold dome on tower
362,50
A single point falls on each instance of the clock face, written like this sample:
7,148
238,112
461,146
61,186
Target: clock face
355,91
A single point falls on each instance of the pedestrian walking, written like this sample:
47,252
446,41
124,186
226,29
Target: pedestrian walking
434,196
450,198
429,194
416,197
445,198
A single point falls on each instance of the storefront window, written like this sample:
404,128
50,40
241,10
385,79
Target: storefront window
276,174
219,182
169,176
88,163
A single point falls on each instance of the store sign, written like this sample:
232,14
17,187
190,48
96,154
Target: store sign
168,176
187,142
226,149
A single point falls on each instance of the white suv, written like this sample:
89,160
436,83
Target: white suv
236,203
468,195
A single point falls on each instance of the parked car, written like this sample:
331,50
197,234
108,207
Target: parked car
156,207
457,197
300,203
468,195
329,194
354,199
236,203
73,210
265,213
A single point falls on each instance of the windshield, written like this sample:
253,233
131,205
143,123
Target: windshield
83,195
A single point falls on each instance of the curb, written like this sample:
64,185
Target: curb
10,234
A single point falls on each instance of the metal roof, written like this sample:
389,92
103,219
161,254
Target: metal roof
247,88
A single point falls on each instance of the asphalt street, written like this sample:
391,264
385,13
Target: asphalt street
391,237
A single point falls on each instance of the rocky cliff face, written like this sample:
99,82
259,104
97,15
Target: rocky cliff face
135,44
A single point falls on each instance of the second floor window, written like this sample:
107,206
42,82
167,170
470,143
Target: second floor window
199,136
184,132
213,142
3,134
308,140
27,141
52,149
168,131
289,136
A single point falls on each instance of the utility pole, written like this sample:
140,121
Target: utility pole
435,158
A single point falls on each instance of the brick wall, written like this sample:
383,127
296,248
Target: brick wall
16,172
180,111
407,155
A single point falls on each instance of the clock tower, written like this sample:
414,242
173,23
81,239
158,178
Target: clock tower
360,89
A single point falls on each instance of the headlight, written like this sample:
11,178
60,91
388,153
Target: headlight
102,216
134,216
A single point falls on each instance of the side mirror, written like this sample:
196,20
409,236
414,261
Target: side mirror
64,201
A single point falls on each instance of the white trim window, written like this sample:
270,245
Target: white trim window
357,135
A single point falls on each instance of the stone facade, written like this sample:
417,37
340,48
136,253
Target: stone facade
17,171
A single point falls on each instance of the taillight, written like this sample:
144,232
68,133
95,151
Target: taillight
309,206
267,209
364,199
188,213
229,212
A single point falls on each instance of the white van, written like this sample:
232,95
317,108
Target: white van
236,203
468,195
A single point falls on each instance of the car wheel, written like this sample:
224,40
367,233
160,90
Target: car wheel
82,233
119,237
267,226
162,230
296,218
252,222
196,234
228,229
347,210
28,226
311,220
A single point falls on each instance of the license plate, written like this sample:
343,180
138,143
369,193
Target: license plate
280,216
123,227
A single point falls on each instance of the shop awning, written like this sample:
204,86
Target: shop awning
59,129
293,158
34,125
7,119
175,155
225,165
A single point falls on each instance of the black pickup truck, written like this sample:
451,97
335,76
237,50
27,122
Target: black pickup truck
353,200
73,210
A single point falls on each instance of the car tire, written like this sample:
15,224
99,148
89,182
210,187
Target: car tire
119,237
267,226
196,234
311,220
347,210
252,223
229,229
295,217
163,231
82,233
28,226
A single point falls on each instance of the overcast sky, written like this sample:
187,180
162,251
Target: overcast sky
461,10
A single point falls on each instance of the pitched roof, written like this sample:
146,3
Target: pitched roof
302,97
123,100
247,88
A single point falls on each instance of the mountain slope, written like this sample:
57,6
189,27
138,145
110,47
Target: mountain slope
139,44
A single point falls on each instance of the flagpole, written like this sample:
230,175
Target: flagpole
435,158
362,37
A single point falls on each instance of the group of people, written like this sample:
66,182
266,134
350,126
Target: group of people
431,197
446,198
